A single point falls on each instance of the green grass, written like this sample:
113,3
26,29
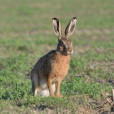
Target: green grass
26,34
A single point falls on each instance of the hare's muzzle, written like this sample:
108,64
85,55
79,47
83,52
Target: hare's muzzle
70,52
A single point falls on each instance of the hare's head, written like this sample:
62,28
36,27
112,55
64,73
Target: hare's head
64,43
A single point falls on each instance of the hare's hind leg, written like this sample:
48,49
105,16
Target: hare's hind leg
35,84
34,89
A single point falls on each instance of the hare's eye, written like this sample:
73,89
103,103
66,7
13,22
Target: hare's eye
61,43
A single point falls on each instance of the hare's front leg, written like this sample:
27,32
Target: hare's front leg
50,88
58,85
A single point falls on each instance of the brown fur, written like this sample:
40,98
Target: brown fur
53,67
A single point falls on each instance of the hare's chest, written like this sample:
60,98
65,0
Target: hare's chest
60,67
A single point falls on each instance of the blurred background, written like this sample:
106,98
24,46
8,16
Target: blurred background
26,34
26,25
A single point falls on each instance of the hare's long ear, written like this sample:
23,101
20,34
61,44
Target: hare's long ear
57,27
70,27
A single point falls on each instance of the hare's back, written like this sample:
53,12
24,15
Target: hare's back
44,63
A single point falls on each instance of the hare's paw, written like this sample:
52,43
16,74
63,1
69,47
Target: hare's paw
59,96
52,95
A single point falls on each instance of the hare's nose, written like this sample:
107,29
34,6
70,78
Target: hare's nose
70,50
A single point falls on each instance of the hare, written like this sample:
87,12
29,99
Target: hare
51,69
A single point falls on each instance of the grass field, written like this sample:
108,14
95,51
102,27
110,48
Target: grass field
26,34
